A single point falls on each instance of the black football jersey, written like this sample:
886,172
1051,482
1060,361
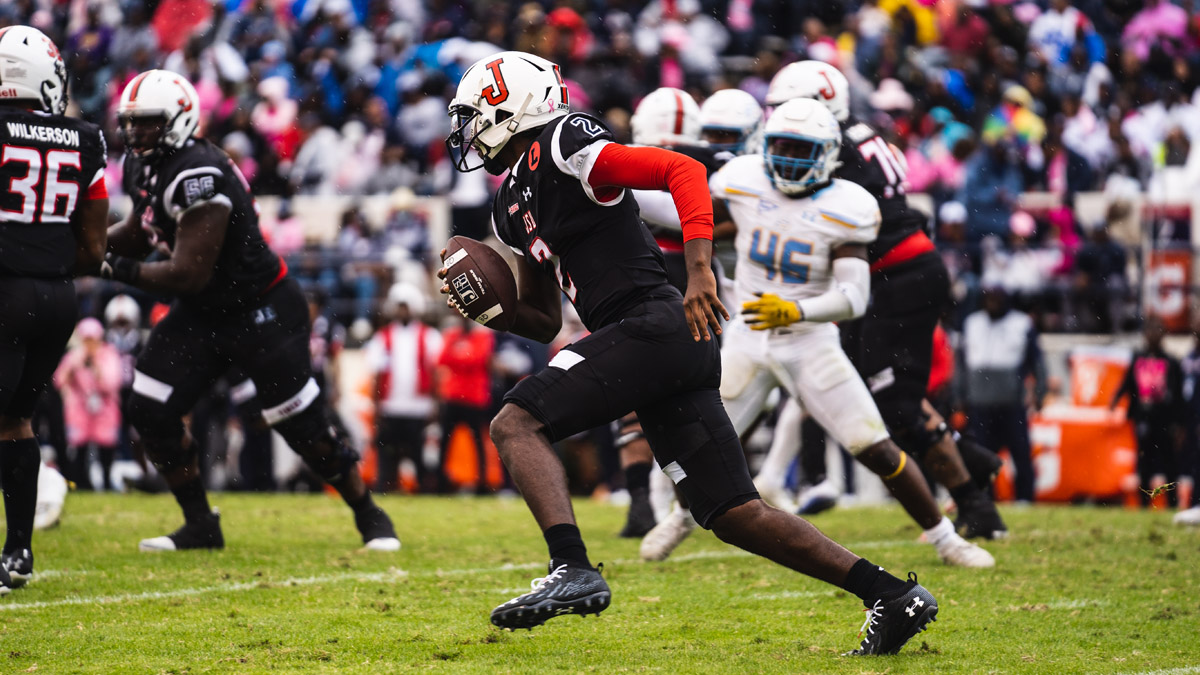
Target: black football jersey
592,240
868,160
199,173
48,163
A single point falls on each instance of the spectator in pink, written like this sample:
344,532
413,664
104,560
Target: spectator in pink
1158,24
275,116
89,379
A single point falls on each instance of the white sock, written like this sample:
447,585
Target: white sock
785,446
939,532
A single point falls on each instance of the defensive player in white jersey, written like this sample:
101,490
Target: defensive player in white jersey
802,264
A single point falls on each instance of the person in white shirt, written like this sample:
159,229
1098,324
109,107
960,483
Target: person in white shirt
402,355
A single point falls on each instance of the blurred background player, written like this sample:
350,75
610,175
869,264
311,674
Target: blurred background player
235,306
802,264
89,379
891,345
650,349
403,356
53,216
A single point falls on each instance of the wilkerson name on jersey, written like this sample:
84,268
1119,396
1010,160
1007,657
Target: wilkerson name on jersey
784,244
50,163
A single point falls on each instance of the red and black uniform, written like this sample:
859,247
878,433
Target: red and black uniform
564,208
48,164
250,314
891,345
671,241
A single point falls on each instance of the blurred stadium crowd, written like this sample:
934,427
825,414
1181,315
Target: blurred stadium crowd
989,101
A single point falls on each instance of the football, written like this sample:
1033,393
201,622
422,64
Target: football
481,283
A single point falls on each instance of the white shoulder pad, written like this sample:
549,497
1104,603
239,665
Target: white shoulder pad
853,208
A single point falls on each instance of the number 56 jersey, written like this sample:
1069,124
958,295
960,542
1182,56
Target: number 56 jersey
784,244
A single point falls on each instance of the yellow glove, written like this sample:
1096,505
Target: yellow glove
770,311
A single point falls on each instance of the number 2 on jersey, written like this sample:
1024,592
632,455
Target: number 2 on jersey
778,259
26,186
541,252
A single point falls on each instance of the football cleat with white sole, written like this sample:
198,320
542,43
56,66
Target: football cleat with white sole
891,622
954,550
5,581
979,518
19,565
201,534
377,531
775,494
659,542
817,498
1189,517
569,588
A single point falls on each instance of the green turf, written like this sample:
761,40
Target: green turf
1075,590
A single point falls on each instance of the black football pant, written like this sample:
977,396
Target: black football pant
397,438
37,317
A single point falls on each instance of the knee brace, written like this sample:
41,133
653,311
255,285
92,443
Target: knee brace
162,434
311,434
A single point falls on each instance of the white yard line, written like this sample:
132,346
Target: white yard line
1186,670
354,576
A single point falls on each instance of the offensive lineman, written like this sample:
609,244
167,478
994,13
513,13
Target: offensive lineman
563,207
235,306
891,346
801,242
53,215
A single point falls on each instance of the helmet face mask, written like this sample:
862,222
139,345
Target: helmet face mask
159,112
731,121
499,97
801,145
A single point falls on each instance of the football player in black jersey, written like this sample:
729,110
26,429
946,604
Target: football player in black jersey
892,344
564,209
235,306
53,216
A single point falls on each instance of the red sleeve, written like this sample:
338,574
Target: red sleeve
658,169
98,189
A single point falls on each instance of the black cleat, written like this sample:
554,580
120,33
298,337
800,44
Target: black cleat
569,588
979,518
892,622
203,533
19,566
640,518
5,581
376,529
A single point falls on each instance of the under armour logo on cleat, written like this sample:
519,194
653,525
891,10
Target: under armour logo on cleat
912,610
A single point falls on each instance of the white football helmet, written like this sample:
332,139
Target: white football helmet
812,79
122,308
730,111
498,97
665,117
32,69
164,95
800,149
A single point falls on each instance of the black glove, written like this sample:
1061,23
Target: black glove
119,268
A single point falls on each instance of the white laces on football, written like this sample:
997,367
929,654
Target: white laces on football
541,581
873,613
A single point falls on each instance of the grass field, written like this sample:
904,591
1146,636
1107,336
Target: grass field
1075,590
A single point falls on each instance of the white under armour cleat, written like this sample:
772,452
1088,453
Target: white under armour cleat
954,550
1188,517
775,494
817,498
385,544
667,535
51,494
